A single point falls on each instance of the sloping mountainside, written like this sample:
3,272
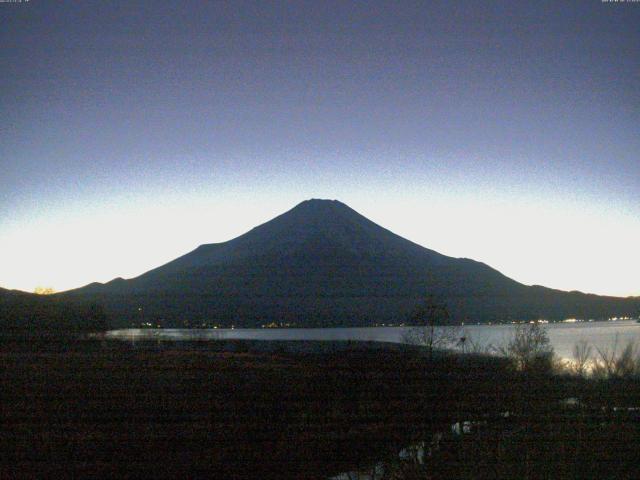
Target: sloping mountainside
323,264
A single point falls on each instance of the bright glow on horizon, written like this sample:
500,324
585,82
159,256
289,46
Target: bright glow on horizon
576,247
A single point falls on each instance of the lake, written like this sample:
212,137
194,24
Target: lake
563,336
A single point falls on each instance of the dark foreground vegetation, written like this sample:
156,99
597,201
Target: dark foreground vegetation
294,410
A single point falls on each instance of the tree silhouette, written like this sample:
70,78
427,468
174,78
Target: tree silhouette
529,349
433,327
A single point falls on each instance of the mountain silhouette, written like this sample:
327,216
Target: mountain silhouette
323,264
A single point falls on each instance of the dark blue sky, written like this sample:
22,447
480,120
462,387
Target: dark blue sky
504,131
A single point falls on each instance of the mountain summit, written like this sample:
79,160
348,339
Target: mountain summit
318,230
323,264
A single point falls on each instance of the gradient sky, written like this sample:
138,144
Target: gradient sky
507,132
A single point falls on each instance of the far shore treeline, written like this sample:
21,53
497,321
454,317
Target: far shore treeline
45,315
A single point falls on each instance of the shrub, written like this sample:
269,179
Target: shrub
529,349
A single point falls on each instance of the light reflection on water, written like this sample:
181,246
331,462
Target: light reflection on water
563,336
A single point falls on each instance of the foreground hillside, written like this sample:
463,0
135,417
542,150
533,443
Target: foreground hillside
228,411
323,264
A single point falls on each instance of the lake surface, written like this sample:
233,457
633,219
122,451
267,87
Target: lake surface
563,336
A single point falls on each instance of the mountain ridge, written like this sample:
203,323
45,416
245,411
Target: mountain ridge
321,263
242,246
